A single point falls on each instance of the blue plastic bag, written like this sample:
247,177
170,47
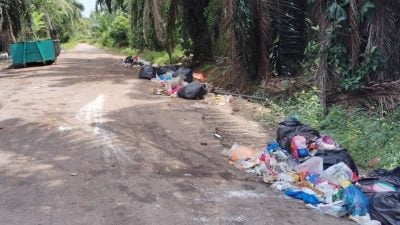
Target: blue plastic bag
355,201
307,198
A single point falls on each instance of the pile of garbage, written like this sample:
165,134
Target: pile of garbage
314,168
174,80
132,61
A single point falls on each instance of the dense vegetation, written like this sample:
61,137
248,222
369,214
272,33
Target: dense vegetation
32,19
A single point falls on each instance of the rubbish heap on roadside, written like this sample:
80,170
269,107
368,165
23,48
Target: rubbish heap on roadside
132,61
174,80
311,167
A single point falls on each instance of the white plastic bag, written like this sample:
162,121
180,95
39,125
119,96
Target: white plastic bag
313,165
337,174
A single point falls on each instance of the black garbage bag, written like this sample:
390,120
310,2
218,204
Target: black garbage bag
392,177
185,73
332,157
292,127
166,69
147,72
385,207
128,60
193,91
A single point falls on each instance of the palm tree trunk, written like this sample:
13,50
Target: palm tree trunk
145,20
49,24
158,22
10,27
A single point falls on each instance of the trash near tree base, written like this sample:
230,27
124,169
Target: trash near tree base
174,80
301,163
313,168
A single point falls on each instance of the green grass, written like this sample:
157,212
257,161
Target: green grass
70,44
161,57
154,57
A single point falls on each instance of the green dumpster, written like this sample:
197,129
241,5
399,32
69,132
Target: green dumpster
43,51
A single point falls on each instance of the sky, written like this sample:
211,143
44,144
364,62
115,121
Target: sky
89,6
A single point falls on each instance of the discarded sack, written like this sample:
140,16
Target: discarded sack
392,177
307,198
185,73
292,127
166,69
355,201
333,157
384,207
147,72
193,91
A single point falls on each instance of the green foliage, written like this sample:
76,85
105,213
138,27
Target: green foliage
366,137
70,44
111,30
311,56
352,76
372,62
245,25
119,32
306,105
161,57
289,27
38,23
213,13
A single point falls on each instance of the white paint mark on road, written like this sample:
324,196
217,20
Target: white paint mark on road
62,128
243,194
91,117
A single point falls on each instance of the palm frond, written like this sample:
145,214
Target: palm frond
246,34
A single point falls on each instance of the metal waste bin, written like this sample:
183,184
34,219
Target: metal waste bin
41,51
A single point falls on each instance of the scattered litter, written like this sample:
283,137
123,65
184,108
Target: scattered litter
176,80
218,136
315,169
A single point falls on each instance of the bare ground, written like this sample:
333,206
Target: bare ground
84,142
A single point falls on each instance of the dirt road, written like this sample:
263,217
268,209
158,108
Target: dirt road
84,142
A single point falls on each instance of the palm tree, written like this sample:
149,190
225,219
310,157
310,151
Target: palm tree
11,18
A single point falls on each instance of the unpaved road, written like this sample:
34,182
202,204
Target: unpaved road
84,142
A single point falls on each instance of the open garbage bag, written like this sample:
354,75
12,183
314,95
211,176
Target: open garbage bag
292,127
147,72
385,207
355,201
193,91
332,157
392,177
166,69
185,73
